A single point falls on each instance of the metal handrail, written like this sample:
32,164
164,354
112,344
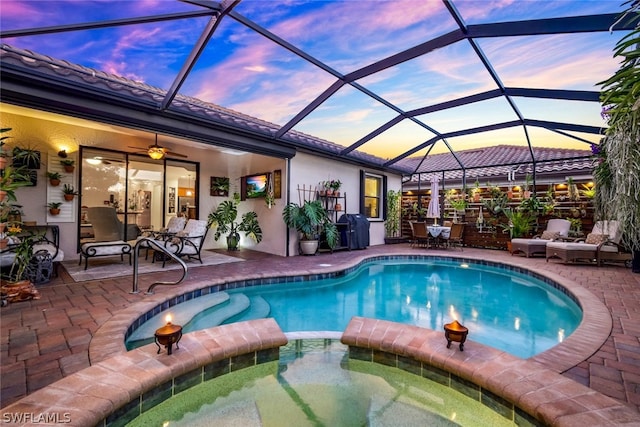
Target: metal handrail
156,246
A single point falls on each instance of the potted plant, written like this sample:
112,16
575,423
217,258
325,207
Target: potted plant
54,178
68,165
519,224
392,223
54,207
224,218
476,191
310,220
69,192
335,185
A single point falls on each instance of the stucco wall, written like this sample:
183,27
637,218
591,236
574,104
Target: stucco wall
309,171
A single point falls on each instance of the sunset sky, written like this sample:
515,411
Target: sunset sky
241,70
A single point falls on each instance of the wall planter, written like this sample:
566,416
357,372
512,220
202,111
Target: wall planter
54,178
27,157
68,165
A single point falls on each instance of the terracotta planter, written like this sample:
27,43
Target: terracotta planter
4,243
3,162
54,182
3,194
69,169
53,211
68,197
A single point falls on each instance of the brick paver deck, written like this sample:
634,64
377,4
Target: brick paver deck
48,339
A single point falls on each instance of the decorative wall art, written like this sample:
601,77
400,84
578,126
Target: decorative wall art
277,183
219,186
171,200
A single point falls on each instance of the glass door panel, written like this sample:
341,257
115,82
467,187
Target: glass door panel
182,190
145,192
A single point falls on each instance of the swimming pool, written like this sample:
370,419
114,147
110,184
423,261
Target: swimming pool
502,307
314,383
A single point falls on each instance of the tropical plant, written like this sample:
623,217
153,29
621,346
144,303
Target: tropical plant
224,219
67,162
498,201
588,192
310,220
23,255
618,155
54,205
392,223
13,178
519,222
26,156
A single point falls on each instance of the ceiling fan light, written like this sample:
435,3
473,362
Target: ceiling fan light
156,153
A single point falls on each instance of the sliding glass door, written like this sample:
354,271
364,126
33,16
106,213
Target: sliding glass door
144,192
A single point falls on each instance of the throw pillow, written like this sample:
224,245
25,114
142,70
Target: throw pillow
596,239
550,235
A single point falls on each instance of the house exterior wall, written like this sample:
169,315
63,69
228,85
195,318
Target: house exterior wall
307,171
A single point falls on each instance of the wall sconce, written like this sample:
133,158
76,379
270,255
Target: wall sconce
590,184
168,335
454,331
62,154
516,188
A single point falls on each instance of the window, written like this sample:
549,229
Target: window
372,195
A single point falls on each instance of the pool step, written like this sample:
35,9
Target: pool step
188,310
258,309
216,315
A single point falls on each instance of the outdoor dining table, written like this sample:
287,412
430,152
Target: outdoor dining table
439,233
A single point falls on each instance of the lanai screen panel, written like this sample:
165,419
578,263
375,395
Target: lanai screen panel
347,35
243,71
400,138
484,12
442,75
346,117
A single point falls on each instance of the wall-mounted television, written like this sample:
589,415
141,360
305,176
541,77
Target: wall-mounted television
255,186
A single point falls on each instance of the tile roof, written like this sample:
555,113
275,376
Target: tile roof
141,92
499,160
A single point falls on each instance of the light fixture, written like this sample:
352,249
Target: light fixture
168,335
454,331
189,192
156,152
62,154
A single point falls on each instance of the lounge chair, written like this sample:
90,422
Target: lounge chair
110,236
601,245
556,229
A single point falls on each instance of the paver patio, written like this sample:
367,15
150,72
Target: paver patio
47,339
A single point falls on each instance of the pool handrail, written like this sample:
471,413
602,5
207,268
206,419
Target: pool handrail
156,246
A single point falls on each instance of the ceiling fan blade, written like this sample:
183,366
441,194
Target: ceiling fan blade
172,153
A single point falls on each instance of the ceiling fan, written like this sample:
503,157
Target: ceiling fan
157,152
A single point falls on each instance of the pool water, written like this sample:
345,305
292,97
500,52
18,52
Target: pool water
320,387
501,308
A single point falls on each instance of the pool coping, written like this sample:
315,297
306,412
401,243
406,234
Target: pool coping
593,330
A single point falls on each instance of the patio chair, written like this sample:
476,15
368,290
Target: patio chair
188,242
556,229
602,244
420,235
455,236
175,225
